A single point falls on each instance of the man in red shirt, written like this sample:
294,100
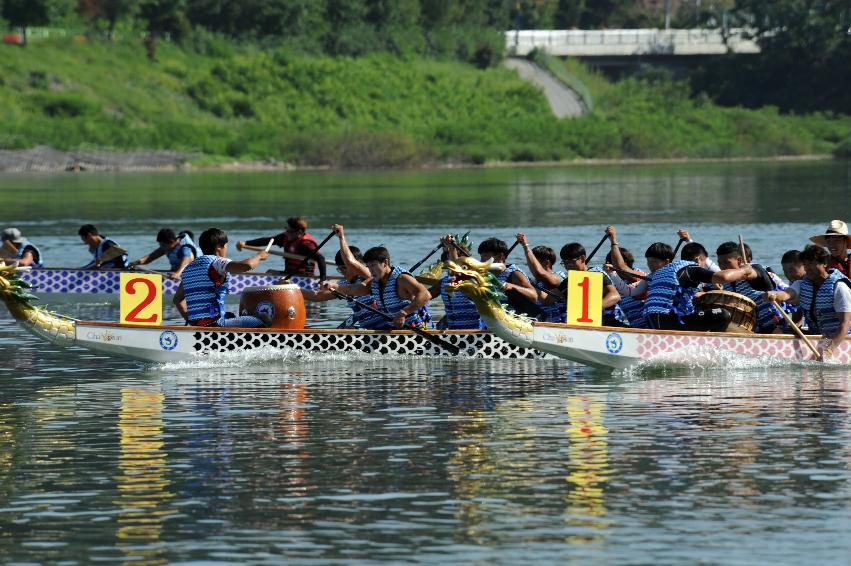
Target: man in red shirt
836,240
295,240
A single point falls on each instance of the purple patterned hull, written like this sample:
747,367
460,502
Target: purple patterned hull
105,282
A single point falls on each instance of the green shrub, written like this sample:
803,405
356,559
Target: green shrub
65,105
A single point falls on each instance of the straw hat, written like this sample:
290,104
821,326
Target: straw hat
12,234
835,228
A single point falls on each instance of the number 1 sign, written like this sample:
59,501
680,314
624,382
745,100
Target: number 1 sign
585,298
141,299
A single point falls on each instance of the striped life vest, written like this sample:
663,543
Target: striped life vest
205,292
633,310
25,247
358,312
174,254
819,309
666,295
503,278
461,312
389,301
118,263
766,315
555,312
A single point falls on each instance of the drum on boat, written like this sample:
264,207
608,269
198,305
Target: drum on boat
283,304
742,309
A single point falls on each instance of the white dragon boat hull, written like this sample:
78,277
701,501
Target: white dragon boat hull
61,282
180,343
620,348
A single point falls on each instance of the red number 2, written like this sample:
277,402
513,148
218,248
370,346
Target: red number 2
585,284
130,288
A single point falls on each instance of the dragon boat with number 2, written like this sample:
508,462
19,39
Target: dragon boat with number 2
74,282
618,348
180,343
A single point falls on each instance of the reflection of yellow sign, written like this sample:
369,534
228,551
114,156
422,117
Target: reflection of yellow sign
585,298
141,299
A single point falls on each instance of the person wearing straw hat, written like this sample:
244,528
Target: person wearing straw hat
23,252
836,240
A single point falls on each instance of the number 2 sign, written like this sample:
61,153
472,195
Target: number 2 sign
141,299
585,298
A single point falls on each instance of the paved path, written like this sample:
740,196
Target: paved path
564,102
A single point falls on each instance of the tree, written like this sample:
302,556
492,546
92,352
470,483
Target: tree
24,13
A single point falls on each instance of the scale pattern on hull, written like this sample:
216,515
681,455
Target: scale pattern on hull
108,282
480,345
650,345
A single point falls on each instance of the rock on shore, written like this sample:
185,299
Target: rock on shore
45,159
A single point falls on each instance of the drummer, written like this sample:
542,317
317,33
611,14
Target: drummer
392,291
751,280
836,240
200,297
823,293
295,240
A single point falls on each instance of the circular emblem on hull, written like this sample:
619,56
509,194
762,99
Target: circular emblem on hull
614,343
265,307
168,340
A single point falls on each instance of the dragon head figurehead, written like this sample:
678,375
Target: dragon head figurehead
475,280
14,291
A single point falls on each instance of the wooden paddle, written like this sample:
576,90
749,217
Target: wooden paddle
451,348
594,251
110,254
797,330
273,252
461,250
511,249
680,243
423,260
742,249
8,249
633,275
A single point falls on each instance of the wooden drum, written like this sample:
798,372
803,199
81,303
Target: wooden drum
283,304
742,310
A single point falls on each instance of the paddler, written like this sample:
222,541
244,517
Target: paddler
824,294
294,240
25,252
632,307
106,253
349,262
180,249
519,292
541,260
461,312
836,240
200,297
391,290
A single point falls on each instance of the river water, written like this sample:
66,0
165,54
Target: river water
273,458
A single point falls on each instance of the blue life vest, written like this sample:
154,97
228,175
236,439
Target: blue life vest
118,263
819,309
666,295
359,313
461,312
175,255
25,247
391,303
503,278
765,313
205,298
615,311
633,310
557,311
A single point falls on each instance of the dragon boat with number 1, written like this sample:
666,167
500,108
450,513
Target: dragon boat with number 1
618,348
67,281
179,343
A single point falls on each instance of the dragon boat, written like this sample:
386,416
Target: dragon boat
181,343
618,348
73,282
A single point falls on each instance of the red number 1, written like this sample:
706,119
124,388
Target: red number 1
130,288
584,285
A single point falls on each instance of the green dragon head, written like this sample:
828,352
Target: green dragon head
474,279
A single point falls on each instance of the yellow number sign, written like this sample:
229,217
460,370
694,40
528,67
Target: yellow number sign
141,299
585,298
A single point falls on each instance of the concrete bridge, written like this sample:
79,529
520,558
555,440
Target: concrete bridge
630,42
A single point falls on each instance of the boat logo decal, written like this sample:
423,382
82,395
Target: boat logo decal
614,343
103,336
265,307
168,340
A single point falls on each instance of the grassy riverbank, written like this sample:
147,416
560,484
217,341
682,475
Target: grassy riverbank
374,111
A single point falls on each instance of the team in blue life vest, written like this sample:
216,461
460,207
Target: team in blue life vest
817,296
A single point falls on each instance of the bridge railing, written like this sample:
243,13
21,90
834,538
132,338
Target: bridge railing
630,42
